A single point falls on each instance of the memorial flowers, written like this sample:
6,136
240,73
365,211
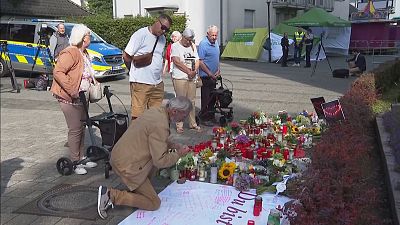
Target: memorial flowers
226,170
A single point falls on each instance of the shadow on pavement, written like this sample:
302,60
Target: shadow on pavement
8,167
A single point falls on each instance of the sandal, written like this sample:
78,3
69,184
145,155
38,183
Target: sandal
179,130
196,128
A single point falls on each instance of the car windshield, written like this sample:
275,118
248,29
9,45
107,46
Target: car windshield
94,38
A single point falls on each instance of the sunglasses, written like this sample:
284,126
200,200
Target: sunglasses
163,27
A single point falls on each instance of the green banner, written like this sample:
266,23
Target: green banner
243,36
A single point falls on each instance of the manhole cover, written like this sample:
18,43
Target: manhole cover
65,200
70,201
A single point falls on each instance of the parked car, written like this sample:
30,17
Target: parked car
26,43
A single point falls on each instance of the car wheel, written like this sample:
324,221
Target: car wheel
3,68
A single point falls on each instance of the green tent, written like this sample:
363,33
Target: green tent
317,17
245,44
282,28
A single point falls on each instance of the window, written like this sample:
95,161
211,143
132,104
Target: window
3,31
249,18
22,32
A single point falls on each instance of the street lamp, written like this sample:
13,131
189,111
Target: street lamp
269,31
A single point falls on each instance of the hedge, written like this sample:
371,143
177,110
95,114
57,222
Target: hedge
118,31
343,183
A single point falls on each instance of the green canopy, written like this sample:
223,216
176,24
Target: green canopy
317,17
282,28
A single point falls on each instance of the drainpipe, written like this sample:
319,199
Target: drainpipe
140,7
221,10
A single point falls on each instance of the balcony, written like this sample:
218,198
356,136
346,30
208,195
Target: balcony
303,4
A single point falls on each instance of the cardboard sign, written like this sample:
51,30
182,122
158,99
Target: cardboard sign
317,102
333,111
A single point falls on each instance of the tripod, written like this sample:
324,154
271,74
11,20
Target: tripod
316,60
5,54
47,58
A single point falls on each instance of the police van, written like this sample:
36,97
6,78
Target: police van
26,45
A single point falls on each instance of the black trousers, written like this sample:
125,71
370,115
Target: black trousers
207,100
285,56
308,54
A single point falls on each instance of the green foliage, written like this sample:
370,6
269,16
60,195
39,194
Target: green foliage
118,31
387,79
101,7
387,75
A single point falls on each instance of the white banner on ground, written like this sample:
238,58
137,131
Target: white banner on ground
205,204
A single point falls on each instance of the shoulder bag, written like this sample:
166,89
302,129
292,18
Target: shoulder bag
144,60
95,92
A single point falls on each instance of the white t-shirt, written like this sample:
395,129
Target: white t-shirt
142,42
186,55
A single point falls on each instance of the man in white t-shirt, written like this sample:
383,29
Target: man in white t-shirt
146,85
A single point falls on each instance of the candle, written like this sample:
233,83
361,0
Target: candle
214,173
286,154
284,129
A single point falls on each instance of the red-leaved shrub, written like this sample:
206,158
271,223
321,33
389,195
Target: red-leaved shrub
340,185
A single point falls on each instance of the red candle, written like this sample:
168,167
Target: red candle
256,210
286,154
250,222
284,129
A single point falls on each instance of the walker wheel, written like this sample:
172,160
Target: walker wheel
65,166
107,168
95,152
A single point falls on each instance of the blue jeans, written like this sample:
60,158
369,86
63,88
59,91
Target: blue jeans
297,54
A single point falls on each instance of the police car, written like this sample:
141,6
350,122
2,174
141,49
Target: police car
25,43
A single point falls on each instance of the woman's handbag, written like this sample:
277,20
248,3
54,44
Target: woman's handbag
145,59
95,92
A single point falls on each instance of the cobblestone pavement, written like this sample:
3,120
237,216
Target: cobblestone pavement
33,129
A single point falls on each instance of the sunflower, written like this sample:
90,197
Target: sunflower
226,170
295,129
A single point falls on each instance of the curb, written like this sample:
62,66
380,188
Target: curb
392,177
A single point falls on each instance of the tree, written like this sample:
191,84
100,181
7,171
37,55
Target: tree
103,7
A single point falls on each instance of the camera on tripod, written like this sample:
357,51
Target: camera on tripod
43,35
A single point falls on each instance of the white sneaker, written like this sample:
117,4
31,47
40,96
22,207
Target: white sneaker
80,170
86,163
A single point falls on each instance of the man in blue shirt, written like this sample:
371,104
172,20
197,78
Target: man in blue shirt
209,72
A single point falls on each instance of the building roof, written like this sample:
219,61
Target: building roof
41,8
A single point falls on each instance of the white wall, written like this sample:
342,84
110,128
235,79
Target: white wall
341,9
236,14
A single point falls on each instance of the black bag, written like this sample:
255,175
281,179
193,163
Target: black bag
144,60
340,73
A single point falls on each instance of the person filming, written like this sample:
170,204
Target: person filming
357,64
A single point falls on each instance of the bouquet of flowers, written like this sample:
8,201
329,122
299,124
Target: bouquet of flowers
243,182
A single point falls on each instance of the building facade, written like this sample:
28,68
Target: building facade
226,14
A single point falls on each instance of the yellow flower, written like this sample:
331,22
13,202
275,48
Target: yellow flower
226,170
295,129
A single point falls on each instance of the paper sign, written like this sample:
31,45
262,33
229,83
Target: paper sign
333,111
317,102
205,204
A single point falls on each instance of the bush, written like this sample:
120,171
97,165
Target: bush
118,31
387,75
343,183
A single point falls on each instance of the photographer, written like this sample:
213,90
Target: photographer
58,41
185,65
357,64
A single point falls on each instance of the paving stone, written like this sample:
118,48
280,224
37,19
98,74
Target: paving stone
69,221
16,202
48,220
5,217
22,219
